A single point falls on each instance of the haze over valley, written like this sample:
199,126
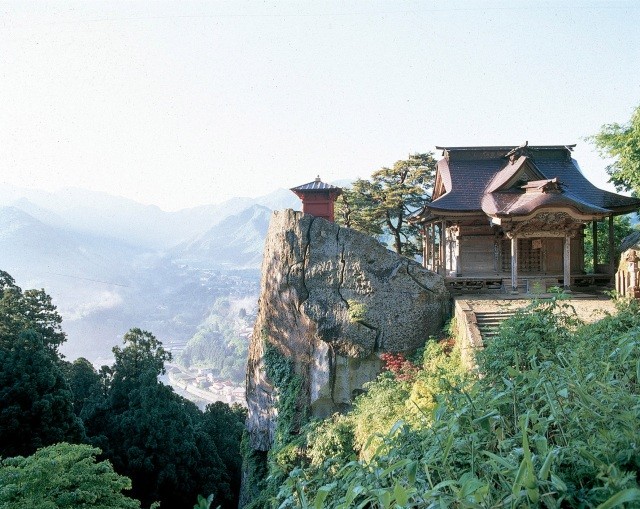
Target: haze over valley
111,264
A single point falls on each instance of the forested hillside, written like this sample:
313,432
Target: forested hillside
71,436
551,419
220,343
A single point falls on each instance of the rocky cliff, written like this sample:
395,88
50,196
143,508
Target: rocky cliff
332,299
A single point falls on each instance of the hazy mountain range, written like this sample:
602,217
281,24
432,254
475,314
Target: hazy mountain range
104,215
111,263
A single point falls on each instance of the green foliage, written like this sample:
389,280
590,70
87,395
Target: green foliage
83,381
384,204
287,448
442,369
168,448
219,344
621,229
553,426
36,405
357,311
532,336
224,426
31,310
255,471
62,476
377,411
288,384
622,142
331,438
143,353
161,441
203,503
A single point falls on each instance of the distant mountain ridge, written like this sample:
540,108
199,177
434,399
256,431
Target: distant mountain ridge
110,263
237,241
120,218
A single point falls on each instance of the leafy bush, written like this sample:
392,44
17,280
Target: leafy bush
62,476
332,438
376,411
553,423
533,334
441,371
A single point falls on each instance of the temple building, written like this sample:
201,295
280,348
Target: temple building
514,218
318,198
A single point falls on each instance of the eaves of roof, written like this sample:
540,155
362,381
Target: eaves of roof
467,181
316,185
568,172
514,204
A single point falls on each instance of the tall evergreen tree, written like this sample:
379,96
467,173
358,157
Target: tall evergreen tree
36,405
384,204
151,434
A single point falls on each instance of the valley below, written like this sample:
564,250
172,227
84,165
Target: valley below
191,277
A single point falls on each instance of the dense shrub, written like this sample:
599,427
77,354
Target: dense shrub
553,422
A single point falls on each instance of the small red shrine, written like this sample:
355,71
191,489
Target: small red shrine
318,198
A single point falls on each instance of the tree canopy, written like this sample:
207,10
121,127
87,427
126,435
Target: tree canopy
170,451
36,405
383,204
157,438
62,476
622,142
29,310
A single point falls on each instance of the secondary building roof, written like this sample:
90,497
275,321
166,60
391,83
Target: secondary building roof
315,186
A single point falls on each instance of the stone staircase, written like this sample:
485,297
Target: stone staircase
489,321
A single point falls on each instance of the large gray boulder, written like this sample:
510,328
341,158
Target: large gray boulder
332,300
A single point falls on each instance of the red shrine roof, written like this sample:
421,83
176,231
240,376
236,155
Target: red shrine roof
316,186
516,181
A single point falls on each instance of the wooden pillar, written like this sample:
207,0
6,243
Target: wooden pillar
452,247
567,262
433,248
594,230
425,246
612,262
443,247
455,250
514,263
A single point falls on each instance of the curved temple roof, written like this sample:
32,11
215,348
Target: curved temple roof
493,181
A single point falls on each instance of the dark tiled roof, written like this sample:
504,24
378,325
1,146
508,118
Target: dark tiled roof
505,204
470,172
467,180
509,171
569,173
504,148
316,185
631,242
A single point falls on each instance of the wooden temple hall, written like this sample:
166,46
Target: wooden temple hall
514,218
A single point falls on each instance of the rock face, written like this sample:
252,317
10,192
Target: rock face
333,299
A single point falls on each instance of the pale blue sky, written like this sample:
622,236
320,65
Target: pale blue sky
185,103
